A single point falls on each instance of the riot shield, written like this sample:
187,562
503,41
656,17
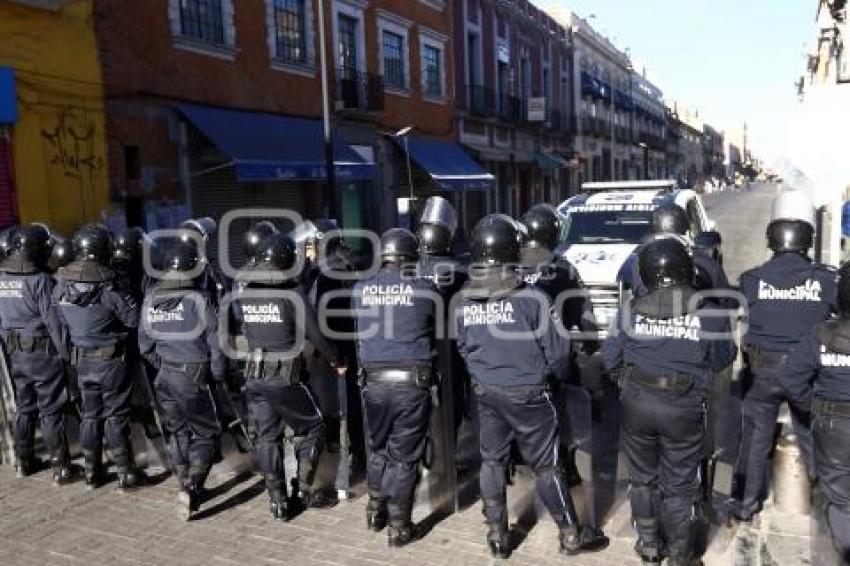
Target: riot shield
147,416
441,476
8,411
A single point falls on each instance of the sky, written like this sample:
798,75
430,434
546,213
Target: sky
733,60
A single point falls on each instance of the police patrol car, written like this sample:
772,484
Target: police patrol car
607,221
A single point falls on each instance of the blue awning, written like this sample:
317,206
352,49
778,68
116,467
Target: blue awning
8,104
270,147
451,168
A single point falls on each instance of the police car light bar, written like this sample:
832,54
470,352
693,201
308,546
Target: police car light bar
666,184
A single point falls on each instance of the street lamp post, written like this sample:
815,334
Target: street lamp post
405,134
326,114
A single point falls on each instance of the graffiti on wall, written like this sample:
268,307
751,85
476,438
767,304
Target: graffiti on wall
73,148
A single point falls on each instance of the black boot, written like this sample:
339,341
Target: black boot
498,540
303,497
61,464
376,513
681,545
93,463
191,496
278,503
129,477
572,538
401,532
648,545
25,465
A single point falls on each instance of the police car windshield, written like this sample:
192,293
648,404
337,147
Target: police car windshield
607,224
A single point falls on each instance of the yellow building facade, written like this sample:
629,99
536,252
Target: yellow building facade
58,139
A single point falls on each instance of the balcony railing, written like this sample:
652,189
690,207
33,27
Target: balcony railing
487,103
360,91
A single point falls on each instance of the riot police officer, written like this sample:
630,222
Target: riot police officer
272,311
33,341
254,239
61,253
178,335
6,240
666,349
670,219
97,315
395,328
437,263
127,261
508,335
787,296
817,378
212,277
436,233
540,266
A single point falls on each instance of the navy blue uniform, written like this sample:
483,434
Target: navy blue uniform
35,347
817,378
97,318
511,345
667,358
276,393
786,297
395,330
178,336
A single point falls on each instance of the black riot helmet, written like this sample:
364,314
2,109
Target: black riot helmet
790,236
128,244
93,242
6,239
665,263
792,223
278,252
205,226
437,226
61,254
31,241
399,245
496,240
255,238
182,257
543,224
670,218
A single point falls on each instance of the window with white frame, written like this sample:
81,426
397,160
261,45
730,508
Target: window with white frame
393,41
290,31
204,26
349,38
432,46
392,47
432,68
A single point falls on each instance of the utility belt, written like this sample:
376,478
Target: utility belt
419,376
196,373
269,366
677,383
111,352
764,360
17,342
831,408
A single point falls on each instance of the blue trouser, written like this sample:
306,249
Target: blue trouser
190,420
274,405
760,409
528,416
40,392
663,436
106,390
831,436
397,417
